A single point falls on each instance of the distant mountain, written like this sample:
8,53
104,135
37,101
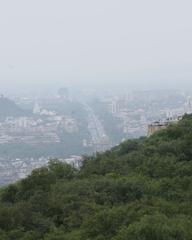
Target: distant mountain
9,108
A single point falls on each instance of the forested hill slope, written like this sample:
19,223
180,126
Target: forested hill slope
140,190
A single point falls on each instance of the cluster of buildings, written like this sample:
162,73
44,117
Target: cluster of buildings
27,130
175,116
133,120
137,115
137,112
42,127
12,170
17,168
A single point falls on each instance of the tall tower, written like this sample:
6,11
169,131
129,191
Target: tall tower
189,105
36,108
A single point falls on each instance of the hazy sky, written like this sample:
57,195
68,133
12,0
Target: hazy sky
137,43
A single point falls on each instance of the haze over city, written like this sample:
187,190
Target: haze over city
95,119
78,77
139,44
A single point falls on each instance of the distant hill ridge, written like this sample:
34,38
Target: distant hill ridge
8,108
139,190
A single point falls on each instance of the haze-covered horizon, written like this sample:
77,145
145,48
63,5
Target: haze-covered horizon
138,44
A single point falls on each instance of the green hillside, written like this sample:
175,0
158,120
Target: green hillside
140,190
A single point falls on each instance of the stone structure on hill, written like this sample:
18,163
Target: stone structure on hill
159,125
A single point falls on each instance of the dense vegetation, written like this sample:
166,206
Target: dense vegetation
140,190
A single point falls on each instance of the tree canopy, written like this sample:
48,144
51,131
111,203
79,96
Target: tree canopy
139,190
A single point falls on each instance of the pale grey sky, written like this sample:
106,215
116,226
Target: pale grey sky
128,42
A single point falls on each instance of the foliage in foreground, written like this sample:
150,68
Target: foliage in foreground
140,190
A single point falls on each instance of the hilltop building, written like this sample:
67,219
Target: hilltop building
159,125
156,126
